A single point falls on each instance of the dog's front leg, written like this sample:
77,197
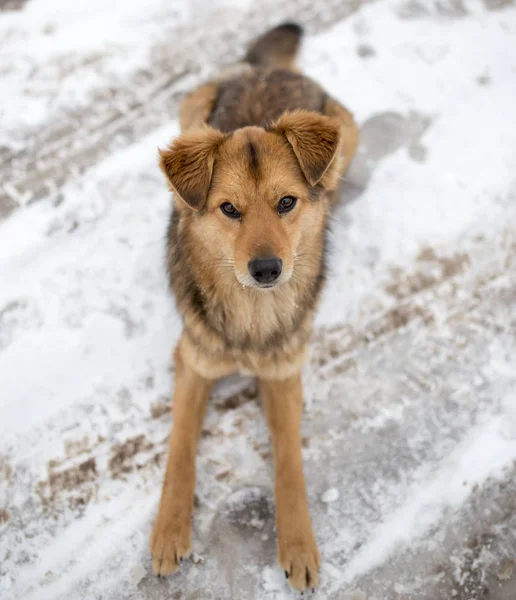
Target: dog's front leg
297,550
171,535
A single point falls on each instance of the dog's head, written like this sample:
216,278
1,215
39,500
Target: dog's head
257,193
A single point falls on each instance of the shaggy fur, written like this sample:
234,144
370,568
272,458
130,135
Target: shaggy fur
260,135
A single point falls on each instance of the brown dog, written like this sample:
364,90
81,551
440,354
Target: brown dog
254,175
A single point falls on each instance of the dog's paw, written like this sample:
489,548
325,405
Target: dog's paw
170,542
299,557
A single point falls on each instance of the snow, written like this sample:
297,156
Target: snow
484,454
410,423
330,495
56,54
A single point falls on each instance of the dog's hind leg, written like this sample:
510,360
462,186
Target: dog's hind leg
197,107
297,550
171,535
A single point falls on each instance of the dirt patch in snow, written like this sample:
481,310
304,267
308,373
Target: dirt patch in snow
67,480
436,270
5,469
6,5
234,401
77,484
121,461
159,408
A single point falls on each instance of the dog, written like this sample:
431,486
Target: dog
254,176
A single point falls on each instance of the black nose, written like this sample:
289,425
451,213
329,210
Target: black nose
265,270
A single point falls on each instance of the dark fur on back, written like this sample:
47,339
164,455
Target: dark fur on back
261,96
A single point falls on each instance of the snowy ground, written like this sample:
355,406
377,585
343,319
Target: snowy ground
410,423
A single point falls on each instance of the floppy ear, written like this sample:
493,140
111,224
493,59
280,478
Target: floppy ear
315,140
188,165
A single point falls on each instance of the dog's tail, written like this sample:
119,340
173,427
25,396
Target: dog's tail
277,47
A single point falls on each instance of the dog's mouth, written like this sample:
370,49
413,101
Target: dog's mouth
246,281
265,286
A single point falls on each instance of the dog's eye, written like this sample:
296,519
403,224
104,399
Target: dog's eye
286,204
229,210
